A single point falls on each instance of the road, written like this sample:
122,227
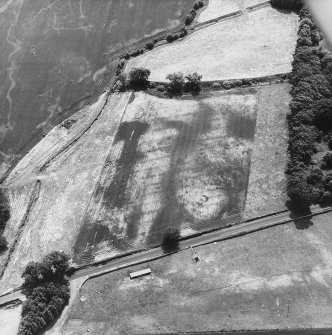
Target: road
6,299
221,234
217,235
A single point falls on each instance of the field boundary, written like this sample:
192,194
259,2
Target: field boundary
74,140
207,85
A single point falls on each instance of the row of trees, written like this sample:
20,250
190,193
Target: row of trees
4,217
180,83
310,119
190,17
47,291
171,37
171,240
138,78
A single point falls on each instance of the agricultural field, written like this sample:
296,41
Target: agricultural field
227,50
182,163
131,171
267,181
64,186
122,168
118,174
55,53
277,278
218,8
19,199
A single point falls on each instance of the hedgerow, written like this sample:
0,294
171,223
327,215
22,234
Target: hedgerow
179,83
310,120
190,17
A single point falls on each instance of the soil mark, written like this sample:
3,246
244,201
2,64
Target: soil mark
113,195
231,177
130,133
172,213
238,125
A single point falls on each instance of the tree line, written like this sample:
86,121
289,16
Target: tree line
4,217
47,291
309,175
138,79
287,4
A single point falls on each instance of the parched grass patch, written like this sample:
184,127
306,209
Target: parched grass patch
267,181
258,281
256,44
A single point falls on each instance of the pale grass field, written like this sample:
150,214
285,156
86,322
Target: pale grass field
267,180
256,44
9,320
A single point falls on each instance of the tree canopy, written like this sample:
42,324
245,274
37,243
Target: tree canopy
47,292
139,77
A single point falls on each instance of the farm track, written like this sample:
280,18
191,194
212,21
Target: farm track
77,138
96,195
33,199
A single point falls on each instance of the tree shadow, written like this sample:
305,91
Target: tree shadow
171,94
286,10
300,222
195,93
170,248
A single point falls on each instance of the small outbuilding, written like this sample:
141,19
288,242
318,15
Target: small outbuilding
140,273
